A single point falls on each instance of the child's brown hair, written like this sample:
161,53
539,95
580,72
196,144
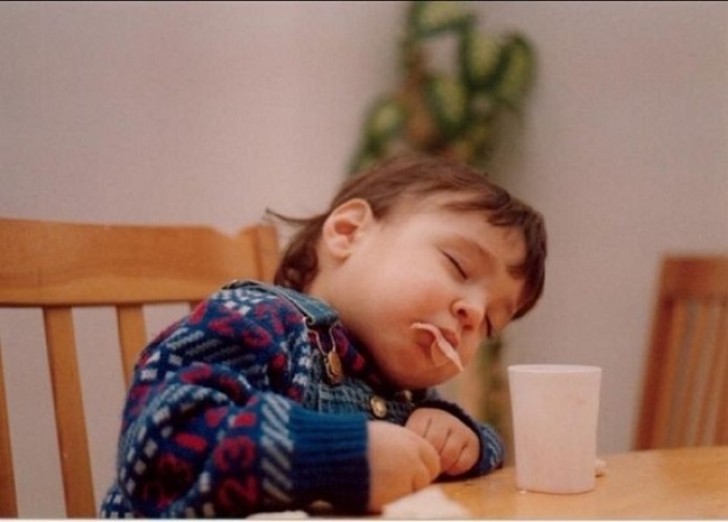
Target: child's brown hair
384,185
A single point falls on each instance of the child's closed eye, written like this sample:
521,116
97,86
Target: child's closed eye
457,265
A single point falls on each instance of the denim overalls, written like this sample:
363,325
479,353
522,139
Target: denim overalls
338,393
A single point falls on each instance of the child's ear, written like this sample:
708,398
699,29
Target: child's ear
345,226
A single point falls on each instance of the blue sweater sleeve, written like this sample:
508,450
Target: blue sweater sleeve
212,425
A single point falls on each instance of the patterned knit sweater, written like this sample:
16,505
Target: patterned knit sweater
231,411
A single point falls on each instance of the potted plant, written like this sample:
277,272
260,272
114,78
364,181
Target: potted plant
457,112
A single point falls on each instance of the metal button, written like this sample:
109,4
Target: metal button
405,395
333,367
378,406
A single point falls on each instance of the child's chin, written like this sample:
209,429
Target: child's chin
421,381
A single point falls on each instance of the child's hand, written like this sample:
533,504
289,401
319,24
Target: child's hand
400,462
456,444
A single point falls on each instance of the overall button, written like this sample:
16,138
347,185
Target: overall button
404,395
378,406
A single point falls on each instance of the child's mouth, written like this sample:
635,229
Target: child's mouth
442,350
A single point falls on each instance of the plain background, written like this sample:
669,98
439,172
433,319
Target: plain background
209,113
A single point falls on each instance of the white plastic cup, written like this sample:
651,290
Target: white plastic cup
555,410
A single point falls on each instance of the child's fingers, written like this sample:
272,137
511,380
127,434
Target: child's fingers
450,453
458,457
431,460
419,423
429,428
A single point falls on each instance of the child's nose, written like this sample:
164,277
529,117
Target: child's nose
469,313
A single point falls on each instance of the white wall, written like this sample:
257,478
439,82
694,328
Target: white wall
194,112
208,113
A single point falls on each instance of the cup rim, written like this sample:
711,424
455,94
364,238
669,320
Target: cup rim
553,368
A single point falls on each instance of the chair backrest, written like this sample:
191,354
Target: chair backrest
59,266
685,394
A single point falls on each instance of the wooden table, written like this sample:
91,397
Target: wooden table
675,483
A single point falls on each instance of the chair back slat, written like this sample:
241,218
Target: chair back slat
714,373
68,407
57,267
8,504
685,395
132,335
696,352
721,383
676,318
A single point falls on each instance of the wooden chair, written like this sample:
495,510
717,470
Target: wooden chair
58,266
685,395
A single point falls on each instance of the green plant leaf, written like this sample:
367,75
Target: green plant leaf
447,99
481,59
428,17
515,79
385,120
483,136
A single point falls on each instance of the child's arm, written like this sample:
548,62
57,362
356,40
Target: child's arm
466,448
208,432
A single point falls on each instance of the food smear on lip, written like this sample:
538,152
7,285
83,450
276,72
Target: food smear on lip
440,346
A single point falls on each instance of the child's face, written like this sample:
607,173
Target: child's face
422,264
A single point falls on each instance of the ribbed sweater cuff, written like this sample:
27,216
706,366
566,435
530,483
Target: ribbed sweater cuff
329,459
